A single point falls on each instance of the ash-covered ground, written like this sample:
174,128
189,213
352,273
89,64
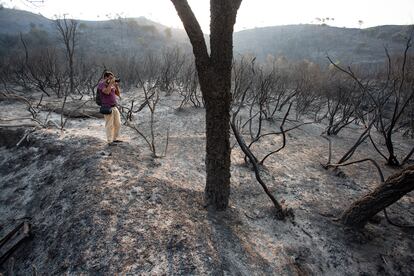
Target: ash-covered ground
105,210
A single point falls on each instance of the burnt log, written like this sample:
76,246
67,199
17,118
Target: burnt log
390,191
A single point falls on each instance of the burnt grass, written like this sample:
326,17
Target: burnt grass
105,210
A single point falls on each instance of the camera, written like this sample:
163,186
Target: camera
108,81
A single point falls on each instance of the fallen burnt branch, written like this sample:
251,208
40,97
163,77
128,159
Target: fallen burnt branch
363,209
72,112
280,212
13,239
74,109
381,176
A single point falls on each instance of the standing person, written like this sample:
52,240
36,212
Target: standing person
108,87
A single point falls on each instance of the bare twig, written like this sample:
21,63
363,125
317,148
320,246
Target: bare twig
283,136
381,175
25,136
405,160
396,224
279,210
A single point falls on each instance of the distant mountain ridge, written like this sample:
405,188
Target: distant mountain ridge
295,42
13,21
108,36
315,42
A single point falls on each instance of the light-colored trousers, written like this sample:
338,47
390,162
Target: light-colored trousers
112,125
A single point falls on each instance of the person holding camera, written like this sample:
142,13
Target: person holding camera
109,89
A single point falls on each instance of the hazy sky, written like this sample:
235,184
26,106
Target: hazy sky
252,13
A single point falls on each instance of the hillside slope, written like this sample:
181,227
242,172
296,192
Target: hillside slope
13,21
314,42
109,36
98,209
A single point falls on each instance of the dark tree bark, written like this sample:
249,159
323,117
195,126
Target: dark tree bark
395,187
214,73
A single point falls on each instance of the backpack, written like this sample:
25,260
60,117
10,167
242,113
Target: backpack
98,99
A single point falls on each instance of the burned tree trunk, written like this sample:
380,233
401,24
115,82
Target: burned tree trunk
218,150
214,73
395,187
